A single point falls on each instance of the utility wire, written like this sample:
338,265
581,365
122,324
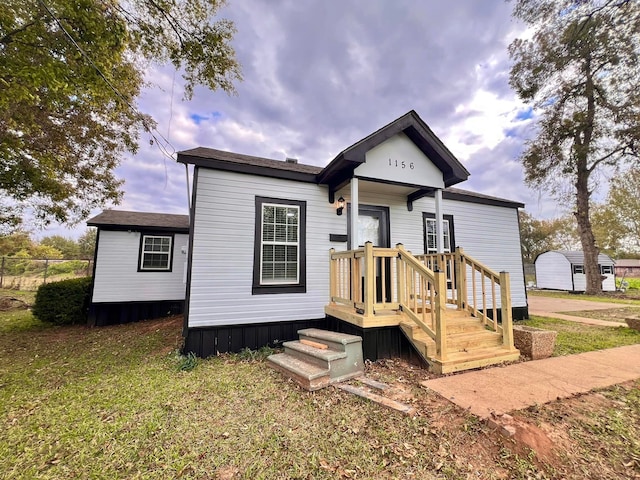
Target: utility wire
161,146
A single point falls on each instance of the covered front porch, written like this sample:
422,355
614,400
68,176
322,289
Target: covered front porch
455,311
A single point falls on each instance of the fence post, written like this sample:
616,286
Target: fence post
505,307
2,272
46,267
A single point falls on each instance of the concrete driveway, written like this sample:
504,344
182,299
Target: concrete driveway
550,306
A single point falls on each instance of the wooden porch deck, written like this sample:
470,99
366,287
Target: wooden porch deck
449,315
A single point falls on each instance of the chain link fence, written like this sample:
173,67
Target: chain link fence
29,273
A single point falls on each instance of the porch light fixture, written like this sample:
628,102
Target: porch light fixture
340,206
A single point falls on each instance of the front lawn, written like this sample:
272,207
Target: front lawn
578,338
112,402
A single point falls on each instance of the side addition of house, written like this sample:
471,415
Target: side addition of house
140,266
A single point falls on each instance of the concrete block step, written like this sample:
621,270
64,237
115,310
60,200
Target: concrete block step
307,375
317,356
329,338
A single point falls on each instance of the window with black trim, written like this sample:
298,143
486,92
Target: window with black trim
156,253
279,264
430,234
578,269
606,269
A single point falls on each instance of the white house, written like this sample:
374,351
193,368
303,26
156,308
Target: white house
261,231
276,246
564,270
139,266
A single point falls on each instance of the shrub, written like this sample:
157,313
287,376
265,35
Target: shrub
71,266
63,303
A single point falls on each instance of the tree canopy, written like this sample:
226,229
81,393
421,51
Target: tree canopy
580,70
70,73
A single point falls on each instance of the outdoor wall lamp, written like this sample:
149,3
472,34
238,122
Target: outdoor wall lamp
340,206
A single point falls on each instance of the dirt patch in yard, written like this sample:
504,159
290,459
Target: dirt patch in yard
611,314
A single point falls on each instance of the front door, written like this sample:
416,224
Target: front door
373,226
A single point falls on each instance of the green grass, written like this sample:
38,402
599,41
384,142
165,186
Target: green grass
120,402
612,297
578,338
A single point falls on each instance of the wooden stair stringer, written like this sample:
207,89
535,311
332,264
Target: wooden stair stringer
469,344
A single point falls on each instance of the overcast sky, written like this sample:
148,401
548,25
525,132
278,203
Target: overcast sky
321,75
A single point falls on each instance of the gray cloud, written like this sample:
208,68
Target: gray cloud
320,75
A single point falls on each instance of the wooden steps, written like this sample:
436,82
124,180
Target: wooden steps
469,344
320,358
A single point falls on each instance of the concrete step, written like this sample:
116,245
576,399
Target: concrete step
308,376
334,340
320,357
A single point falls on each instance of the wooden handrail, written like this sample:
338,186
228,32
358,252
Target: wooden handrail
359,278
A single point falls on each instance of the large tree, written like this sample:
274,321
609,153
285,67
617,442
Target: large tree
618,219
579,69
70,73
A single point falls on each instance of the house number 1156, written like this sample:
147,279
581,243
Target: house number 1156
401,164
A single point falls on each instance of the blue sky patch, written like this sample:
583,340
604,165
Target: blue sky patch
525,114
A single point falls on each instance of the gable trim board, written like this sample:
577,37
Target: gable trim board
222,308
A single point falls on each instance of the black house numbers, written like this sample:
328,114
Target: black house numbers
401,164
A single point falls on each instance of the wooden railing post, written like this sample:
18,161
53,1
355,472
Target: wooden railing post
505,307
461,279
400,272
441,302
369,279
332,276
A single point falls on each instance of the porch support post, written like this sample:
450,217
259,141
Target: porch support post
439,221
355,242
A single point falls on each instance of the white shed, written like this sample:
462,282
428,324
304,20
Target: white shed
564,270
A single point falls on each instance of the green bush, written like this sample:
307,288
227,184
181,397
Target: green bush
63,303
67,267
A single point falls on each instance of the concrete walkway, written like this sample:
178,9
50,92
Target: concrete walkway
514,387
550,306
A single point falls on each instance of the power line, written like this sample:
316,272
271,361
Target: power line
162,147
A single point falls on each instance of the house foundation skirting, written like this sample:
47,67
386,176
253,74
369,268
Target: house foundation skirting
208,341
102,314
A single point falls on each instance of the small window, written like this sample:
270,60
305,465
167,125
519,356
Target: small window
279,252
578,269
155,253
606,269
430,234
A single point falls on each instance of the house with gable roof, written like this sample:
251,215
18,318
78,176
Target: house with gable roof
380,243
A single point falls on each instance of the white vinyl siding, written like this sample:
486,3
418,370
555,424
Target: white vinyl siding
223,250
117,278
224,241
554,271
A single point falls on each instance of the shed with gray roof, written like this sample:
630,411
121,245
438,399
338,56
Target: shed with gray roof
564,270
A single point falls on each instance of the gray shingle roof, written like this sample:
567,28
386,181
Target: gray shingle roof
213,154
122,218
576,257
